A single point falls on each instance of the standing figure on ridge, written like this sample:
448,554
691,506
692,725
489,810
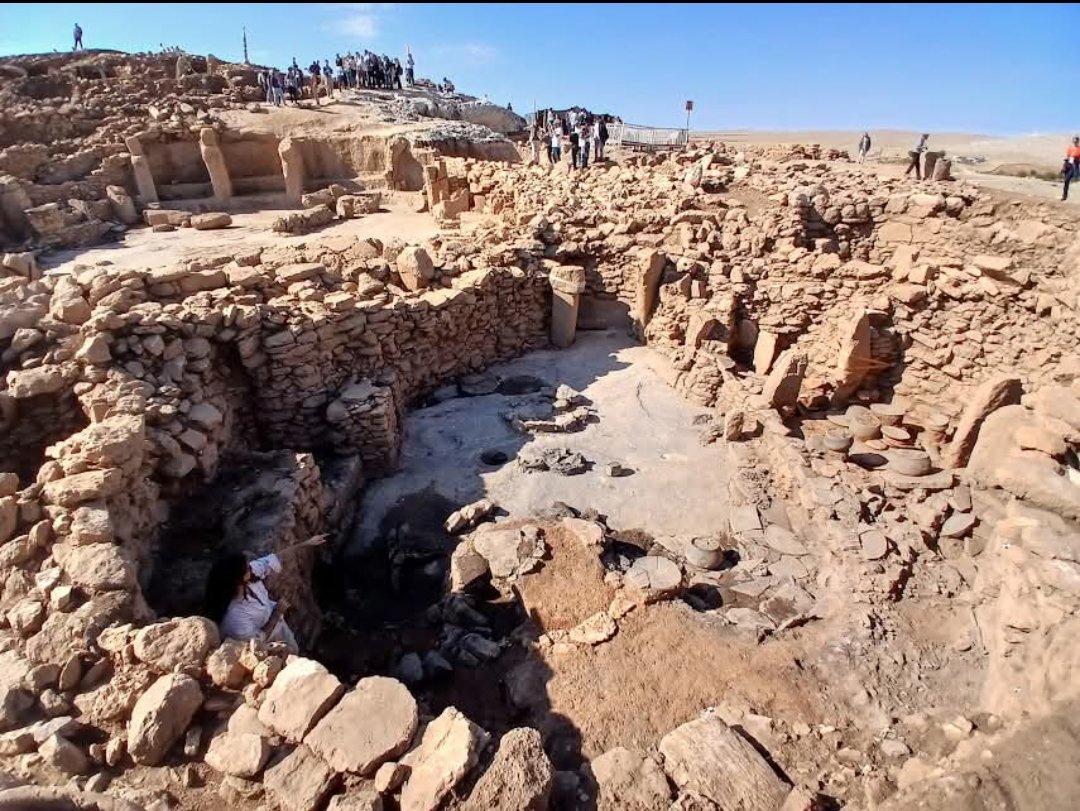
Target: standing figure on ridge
864,147
78,38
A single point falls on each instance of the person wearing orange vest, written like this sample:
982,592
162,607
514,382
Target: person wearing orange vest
1071,169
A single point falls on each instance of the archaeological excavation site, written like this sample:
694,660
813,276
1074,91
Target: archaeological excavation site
724,478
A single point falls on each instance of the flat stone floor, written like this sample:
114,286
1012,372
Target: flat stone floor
679,486
141,247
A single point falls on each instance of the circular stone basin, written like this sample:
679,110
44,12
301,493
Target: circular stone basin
864,427
896,437
705,553
654,573
937,422
888,413
909,462
857,411
838,419
876,445
838,440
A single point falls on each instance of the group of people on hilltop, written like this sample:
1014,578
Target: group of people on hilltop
572,135
374,71
349,71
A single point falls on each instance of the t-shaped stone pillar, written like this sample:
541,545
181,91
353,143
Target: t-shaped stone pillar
140,167
214,159
567,284
292,167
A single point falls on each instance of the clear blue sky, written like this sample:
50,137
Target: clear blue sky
996,69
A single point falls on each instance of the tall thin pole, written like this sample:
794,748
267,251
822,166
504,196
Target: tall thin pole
245,47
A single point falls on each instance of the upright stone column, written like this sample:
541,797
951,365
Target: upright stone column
140,166
567,285
292,167
214,159
651,270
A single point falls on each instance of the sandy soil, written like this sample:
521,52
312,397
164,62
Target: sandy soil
1039,148
642,423
1015,154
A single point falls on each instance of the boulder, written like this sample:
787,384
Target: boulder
224,666
518,779
34,382
238,754
469,516
178,645
627,780
356,799
509,552
450,747
300,695
63,755
785,380
300,782
415,267
67,303
161,716
210,222
705,756
91,523
373,723
90,485
990,396
96,566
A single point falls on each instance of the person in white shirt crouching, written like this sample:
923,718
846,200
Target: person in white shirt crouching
238,600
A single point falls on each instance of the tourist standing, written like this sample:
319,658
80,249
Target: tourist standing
864,147
584,140
534,141
602,136
555,150
328,80
575,148
916,157
78,38
1071,170
410,72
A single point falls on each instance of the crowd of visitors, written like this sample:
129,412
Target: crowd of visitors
572,135
350,70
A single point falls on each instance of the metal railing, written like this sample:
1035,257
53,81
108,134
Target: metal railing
634,135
